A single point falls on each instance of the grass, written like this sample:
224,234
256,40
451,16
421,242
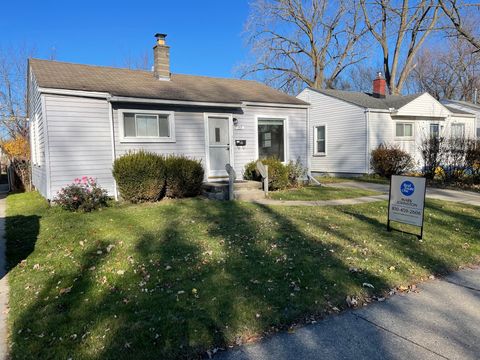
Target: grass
320,193
173,279
372,178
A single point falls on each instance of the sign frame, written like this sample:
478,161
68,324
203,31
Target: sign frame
389,227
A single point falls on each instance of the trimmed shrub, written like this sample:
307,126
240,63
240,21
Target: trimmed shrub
390,160
82,195
296,171
184,177
278,175
140,176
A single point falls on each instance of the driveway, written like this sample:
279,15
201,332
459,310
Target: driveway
463,197
440,321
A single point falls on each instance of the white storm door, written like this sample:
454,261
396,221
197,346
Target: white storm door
218,145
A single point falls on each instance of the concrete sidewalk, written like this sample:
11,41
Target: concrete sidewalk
463,197
442,321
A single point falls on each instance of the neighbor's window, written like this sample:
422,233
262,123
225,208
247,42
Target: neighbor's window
154,126
320,141
458,130
404,130
271,138
434,130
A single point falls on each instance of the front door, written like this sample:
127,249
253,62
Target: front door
218,145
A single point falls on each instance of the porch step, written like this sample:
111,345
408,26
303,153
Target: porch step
215,190
243,190
249,194
247,185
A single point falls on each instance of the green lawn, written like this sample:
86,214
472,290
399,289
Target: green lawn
320,193
173,279
364,178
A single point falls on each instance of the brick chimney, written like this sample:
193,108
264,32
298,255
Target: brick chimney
161,58
379,86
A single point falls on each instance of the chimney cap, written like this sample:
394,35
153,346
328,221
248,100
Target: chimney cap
160,36
379,75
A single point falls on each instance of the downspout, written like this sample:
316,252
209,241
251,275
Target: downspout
367,141
309,170
112,133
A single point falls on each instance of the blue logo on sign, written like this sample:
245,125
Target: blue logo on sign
407,188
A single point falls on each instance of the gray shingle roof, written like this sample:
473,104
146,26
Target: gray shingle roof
142,84
367,100
474,107
457,111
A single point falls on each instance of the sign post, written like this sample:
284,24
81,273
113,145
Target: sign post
406,201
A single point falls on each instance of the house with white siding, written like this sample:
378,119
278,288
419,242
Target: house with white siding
468,107
345,126
84,117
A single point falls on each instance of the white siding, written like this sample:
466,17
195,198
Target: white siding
346,134
469,121
190,133
79,141
35,113
246,129
424,105
472,110
382,131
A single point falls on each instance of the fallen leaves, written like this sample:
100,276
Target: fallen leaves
351,301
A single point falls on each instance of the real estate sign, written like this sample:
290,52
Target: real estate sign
407,200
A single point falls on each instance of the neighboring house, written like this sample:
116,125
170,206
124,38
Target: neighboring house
345,126
468,107
83,117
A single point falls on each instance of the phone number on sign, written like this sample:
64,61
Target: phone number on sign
406,211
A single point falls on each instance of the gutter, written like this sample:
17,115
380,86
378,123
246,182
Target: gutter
172,102
295,106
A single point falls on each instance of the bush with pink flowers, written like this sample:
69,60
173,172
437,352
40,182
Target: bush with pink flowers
82,195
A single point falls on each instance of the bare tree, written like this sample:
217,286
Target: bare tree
141,62
449,73
303,42
359,77
400,28
13,95
457,11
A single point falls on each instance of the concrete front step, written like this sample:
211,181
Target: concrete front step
243,190
249,194
247,185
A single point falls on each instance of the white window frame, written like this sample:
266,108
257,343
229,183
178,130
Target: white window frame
315,142
457,124
35,145
430,129
285,134
146,139
404,137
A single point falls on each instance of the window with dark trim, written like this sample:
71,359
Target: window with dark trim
271,139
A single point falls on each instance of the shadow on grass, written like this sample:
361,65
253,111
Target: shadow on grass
21,237
212,274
